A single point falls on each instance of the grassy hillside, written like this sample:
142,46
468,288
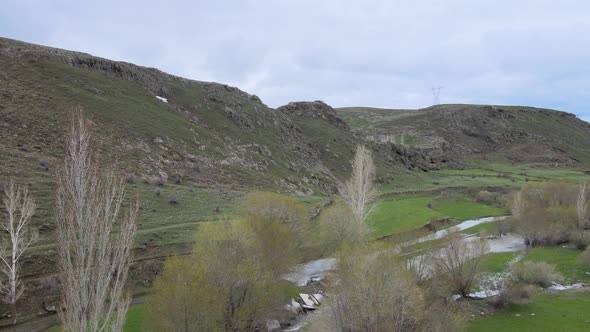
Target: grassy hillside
213,142
474,132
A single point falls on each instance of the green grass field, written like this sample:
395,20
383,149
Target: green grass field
553,311
401,215
134,321
479,174
563,311
497,262
395,216
565,261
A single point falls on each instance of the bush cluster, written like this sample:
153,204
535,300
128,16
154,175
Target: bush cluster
535,273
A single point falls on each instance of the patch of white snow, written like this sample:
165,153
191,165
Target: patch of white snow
559,287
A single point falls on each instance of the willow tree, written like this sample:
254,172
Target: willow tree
223,286
375,294
19,235
94,237
338,227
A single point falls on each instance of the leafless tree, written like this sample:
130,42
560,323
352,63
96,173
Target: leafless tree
359,191
582,206
93,256
517,205
420,266
20,208
459,262
375,295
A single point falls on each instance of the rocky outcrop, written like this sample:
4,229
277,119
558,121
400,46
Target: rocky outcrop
414,159
314,109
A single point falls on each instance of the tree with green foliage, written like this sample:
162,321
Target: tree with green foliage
229,281
276,222
236,264
237,289
181,301
338,226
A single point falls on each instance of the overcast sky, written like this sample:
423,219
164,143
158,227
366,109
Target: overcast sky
347,53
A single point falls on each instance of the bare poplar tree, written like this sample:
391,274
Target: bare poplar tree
359,191
517,205
93,255
20,208
582,206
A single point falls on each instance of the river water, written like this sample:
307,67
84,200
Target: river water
317,269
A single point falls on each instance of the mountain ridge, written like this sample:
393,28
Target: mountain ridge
519,134
202,131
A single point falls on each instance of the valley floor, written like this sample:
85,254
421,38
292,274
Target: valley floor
407,205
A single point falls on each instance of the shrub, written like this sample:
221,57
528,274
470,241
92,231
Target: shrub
544,214
503,227
268,206
579,239
158,192
172,200
512,293
584,258
396,305
161,179
535,273
130,178
485,197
